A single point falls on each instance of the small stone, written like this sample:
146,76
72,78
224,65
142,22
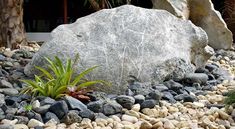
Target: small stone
32,123
47,101
59,108
5,84
145,125
36,104
168,96
95,106
136,107
139,99
168,125
125,101
6,126
157,125
75,104
200,78
87,114
148,104
132,113
86,123
173,109
8,53
11,122
198,105
49,116
9,91
223,115
155,95
111,108
116,118
20,126
22,119
72,117
42,109
128,118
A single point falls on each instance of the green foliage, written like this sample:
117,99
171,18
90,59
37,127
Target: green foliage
28,107
230,99
55,82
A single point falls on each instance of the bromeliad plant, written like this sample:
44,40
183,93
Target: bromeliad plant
56,82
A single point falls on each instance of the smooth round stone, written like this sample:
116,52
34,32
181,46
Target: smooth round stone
20,126
168,125
136,107
139,99
125,101
6,126
116,118
148,104
145,125
129,118
33,123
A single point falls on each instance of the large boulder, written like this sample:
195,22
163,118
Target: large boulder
179,8
202,14
125,41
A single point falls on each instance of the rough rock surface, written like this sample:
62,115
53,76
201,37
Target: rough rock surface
203,14
125,41
177,7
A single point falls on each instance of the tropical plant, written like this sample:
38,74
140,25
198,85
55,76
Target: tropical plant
55,82
28,107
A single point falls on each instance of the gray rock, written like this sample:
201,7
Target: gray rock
174,69
59,108
168,96
2,114
9,91
111,108
150,103
100,115
11,110
95,106
47,101
156,95
22,119
49,115
190,89
5,84
72,117
42,109
220,72
189,98
200,78
179,97
2,99
160,87
125,101
139,99
140,88
172,85
75,104
87,114
6,126
128,44
2,58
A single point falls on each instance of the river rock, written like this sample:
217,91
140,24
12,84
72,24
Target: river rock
125,41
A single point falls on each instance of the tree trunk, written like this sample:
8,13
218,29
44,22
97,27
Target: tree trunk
12,32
